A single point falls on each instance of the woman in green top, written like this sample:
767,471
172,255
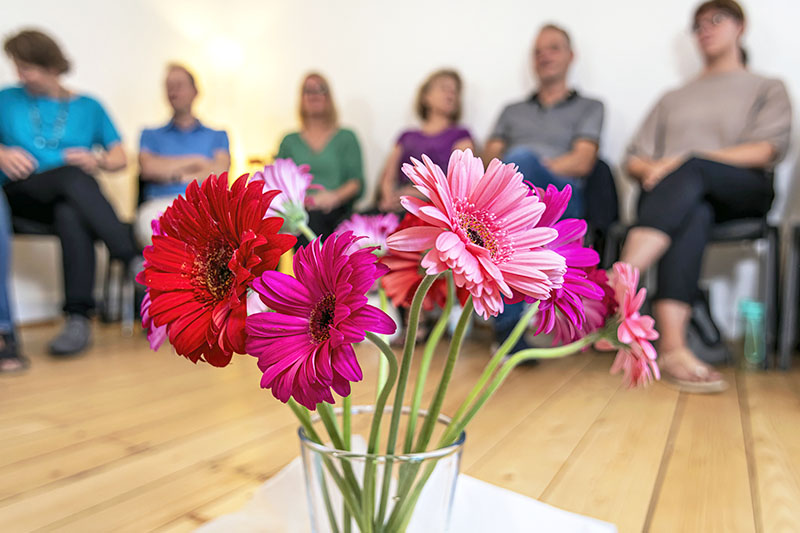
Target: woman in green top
333,153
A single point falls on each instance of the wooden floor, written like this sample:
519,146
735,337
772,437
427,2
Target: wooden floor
124,439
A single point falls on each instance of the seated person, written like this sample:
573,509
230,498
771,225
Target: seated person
702,155
173,155
52,141
439,108
332,152
11,360
553,135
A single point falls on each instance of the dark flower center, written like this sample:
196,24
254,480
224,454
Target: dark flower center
479,230
321,319
211,270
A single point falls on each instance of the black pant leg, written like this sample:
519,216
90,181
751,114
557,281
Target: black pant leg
76,187
77,257
679,268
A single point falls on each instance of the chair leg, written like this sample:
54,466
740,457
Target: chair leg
791,295
128,302
770,287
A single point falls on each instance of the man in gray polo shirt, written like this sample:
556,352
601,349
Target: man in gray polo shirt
552,137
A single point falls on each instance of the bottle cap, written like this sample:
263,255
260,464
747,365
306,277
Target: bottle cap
751,309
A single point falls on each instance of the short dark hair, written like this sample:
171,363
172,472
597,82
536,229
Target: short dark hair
37,48
732,8
559,29
185,70
421,106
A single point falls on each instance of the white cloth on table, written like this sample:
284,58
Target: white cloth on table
279,506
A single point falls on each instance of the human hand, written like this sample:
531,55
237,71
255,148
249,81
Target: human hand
83,159
658,170
17,163
325,201
390,202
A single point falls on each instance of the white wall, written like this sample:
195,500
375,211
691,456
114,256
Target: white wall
249,57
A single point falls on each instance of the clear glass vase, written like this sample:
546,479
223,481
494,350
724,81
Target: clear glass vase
349,491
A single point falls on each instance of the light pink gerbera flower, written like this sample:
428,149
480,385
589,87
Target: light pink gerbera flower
482,226
292,181
305,347
637,361
374,228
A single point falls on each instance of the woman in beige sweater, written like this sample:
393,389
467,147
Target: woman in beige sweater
703,154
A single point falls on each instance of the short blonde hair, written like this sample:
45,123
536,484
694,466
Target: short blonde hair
330,116
422,108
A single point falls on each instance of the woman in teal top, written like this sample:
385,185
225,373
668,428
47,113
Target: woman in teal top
333,153
52,141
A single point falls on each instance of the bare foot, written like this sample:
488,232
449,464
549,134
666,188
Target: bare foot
684,370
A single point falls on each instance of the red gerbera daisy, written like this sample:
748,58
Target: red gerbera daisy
215,242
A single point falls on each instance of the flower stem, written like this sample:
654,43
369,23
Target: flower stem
350,498
306,231
368,494
346,430
383,364
425,363
457,425
506,347
447,374
408,353
328,418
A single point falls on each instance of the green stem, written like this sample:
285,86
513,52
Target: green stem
383,364
328,418
350,499
402,513
457,425
408,353
368,494
444,382
425,363
506,347
346,437
306,231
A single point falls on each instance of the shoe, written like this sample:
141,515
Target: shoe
11,360
74,337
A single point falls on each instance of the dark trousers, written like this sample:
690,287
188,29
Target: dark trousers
685,205
323,224
71,200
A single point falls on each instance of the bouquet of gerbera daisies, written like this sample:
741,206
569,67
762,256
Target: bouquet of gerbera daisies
482,237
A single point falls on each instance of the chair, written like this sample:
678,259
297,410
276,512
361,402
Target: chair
791,300
740,230
118,291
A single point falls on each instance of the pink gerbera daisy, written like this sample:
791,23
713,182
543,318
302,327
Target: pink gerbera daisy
482,226
156,335
375,229
292,181
638,359
304,348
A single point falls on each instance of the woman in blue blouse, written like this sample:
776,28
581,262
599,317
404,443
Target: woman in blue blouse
52,141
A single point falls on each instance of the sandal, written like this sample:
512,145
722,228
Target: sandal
704,381
13,364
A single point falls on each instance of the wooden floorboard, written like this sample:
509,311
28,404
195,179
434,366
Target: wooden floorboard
124,439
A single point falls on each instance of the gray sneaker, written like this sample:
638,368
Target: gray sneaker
74,338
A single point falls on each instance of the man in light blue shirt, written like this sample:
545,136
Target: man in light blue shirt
177,153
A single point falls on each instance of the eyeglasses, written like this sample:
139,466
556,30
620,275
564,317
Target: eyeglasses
714,20
311,91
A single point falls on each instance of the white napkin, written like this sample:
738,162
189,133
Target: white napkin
279,506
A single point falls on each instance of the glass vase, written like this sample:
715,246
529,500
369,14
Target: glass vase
352,491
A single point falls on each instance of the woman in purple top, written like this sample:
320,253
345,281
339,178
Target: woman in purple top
439,107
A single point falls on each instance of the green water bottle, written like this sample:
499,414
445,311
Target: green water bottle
755,342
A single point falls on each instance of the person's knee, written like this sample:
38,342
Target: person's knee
75,179
520,156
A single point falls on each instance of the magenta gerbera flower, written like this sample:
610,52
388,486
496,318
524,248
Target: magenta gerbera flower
563,311
375,229
482,225
304,348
